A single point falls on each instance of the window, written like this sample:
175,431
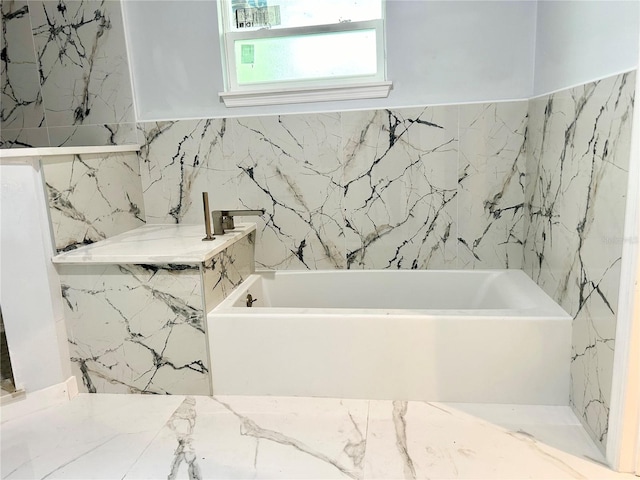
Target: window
291,51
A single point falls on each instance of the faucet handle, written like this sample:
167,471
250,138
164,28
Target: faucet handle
218,217
227,222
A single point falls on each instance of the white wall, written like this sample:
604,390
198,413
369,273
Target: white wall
623,440
581,41
30,289
174,55
438,52
459,51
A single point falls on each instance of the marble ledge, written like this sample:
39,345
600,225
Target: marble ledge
152,244
40,152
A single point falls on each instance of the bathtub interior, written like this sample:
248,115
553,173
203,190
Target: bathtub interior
485,292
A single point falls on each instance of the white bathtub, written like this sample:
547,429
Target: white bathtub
456,336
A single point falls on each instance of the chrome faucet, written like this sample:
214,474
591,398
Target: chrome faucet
223,219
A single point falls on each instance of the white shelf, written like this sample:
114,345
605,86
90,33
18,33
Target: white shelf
151,244
53,151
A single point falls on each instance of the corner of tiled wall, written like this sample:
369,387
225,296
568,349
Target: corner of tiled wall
577,165
92,197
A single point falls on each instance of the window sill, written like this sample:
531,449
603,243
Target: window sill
252,98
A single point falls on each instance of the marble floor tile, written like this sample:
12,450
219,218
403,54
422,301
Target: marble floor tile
414,440
555,427
92,436
259,437
199,437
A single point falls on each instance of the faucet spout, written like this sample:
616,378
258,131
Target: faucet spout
223,219
242,213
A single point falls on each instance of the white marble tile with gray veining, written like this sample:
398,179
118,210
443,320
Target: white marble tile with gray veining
291,166
180,160
197,437
20,100
415,440
136,328
400,187
91,436
93,197
228,269
577,164
259,437
89,135
375,189
83,65
491,184
182,423
24,138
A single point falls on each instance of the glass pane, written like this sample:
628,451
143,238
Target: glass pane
303,57
255,14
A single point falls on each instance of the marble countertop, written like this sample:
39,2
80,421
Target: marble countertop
155,244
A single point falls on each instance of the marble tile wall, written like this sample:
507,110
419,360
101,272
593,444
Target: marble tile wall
178,161
578,153
22,118
136,328
290,166
225,271
399,180
491,163
437,187
141,328
65,75
93,197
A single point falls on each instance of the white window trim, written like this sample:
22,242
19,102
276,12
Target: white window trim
317,90
248,98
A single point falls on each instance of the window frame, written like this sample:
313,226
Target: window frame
301,91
